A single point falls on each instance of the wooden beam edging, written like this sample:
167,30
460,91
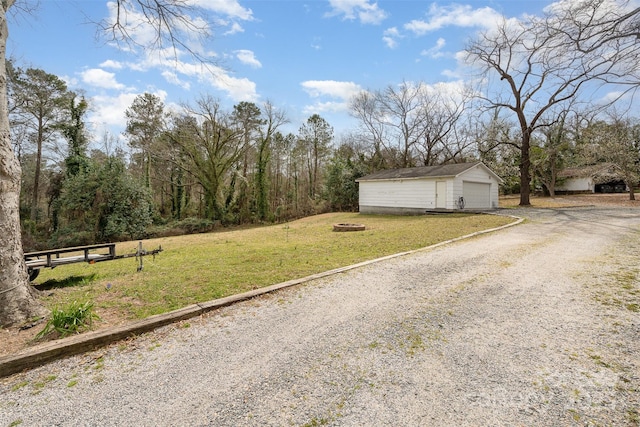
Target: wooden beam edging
48,352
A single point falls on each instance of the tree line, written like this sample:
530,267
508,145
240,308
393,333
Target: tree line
188,170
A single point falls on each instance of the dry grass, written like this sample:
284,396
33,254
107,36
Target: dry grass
573,200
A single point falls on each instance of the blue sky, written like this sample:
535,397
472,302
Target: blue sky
304,57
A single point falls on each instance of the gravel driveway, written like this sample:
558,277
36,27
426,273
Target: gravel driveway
534,325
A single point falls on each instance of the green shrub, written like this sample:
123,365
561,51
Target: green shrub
68,237
69,320
195,225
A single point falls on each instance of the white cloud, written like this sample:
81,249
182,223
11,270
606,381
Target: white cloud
363,10
70,81
97,77
616,96
391,36
171,63
436,51
178,72
109,110
461,68
191,30
109,63
325,107
331,88
173,78
341,92
456,87
230,8
317,43
454,15
247,57
237,89
235,28
452,74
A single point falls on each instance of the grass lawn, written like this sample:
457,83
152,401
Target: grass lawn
202,267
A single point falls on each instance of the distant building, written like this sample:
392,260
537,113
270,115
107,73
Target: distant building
601,178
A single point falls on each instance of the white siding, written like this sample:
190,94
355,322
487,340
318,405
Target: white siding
414,196
441,194
577,184
415,193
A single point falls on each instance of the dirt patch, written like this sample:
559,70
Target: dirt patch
19,338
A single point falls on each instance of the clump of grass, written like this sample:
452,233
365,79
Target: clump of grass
19,385
70,320
40,384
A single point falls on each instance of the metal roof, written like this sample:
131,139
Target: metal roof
440,171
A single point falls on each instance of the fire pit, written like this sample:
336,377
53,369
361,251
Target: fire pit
348,227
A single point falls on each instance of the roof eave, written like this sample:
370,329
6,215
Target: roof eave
412,178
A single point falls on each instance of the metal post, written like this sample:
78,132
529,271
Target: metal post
140,256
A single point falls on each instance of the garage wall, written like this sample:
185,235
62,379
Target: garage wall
399,196
478,186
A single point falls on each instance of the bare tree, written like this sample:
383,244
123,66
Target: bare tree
442,136
412,123
315,139
392,119
172,23
364,108
549,156
274,119
17,300
546,63
400,113
496,146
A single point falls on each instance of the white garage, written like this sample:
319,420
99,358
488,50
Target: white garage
429,188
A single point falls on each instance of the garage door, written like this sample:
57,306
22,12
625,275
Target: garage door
477,195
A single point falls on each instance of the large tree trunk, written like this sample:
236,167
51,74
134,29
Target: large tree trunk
631,184
36,180
17,300
525,169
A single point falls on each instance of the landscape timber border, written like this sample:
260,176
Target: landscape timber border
44,353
